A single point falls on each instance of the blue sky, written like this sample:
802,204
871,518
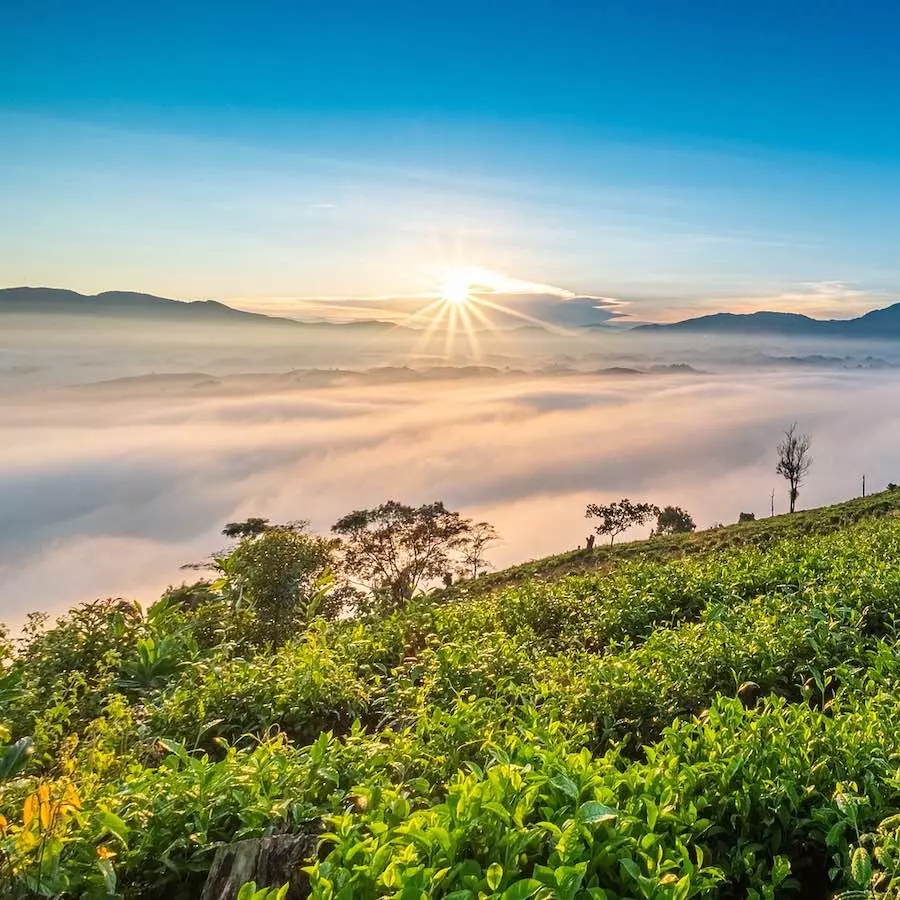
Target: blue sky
682,157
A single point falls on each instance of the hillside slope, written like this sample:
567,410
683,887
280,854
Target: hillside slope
716,715
759,533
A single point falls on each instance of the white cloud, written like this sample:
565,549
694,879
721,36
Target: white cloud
106,491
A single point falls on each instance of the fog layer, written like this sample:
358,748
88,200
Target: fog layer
106,489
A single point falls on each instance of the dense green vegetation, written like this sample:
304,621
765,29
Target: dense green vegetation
714,714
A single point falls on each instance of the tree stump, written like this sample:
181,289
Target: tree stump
269,861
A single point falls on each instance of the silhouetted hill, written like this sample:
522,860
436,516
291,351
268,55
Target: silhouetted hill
879,324
31,301
60,302
883,323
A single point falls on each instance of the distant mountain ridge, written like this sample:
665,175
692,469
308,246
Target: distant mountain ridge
131,304
878,324
59,301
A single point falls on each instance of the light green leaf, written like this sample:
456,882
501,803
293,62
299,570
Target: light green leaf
521,890
595,813
566,785
781,868
114,825
861,866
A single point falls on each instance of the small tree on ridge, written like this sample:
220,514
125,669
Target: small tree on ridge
674,520
794,461
480,536
619,516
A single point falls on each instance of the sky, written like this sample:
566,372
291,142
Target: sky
680,158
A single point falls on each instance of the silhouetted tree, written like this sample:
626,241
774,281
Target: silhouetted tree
589,543
396,549
619,516
746,517
479,537
794,461
674,520
248,528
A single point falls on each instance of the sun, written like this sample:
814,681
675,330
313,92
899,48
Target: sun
466,301
456,289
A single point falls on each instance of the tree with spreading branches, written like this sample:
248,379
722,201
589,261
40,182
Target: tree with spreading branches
397,549
480,536
615,518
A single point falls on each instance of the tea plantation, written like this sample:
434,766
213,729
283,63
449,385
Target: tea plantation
709,715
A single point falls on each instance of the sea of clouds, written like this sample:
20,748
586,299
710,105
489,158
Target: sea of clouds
107,489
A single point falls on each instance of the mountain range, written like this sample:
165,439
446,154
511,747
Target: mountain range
879,324
31,301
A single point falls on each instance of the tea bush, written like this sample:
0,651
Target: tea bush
721,724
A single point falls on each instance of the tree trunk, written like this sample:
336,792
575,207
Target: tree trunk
269,861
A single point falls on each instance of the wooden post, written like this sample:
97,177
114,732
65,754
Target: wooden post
864,485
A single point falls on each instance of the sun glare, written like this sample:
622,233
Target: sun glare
456,290
467,301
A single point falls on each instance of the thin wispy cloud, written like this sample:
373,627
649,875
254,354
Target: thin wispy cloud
506,298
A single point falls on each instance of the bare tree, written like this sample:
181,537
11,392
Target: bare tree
480,536
794,461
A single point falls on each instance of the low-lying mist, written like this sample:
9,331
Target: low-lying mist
107,488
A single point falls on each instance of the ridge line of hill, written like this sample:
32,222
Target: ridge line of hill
883,324
659,548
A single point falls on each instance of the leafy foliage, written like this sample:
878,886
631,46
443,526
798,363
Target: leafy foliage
283,575
584,736
616,518
674,520
397,549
